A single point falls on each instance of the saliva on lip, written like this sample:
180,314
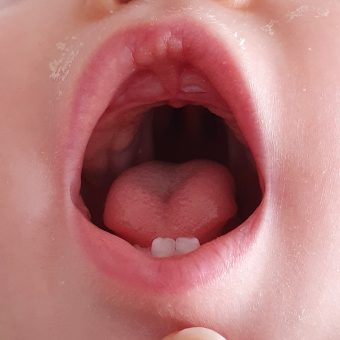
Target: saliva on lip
167,247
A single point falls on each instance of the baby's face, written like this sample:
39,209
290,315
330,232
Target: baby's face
113,132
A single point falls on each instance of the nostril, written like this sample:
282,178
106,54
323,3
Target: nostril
98,9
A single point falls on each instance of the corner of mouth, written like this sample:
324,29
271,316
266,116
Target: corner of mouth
105,77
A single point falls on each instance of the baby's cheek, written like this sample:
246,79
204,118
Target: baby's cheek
6,3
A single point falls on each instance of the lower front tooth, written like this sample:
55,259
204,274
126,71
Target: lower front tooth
163,247
186,245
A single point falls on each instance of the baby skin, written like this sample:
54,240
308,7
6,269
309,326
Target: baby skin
167,165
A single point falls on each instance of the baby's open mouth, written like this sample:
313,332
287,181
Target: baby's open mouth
166,165
166,132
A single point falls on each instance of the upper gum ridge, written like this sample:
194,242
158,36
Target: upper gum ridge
173,84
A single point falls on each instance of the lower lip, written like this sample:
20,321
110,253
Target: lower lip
113,256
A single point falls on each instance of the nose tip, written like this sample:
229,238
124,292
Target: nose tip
97,9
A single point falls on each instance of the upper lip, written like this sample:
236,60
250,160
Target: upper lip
221,67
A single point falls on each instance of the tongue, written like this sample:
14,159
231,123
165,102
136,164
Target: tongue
157,199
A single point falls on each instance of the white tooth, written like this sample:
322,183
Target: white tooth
186,245
148,86
192,89
163,247
192,82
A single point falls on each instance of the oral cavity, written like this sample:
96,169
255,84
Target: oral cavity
160,164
